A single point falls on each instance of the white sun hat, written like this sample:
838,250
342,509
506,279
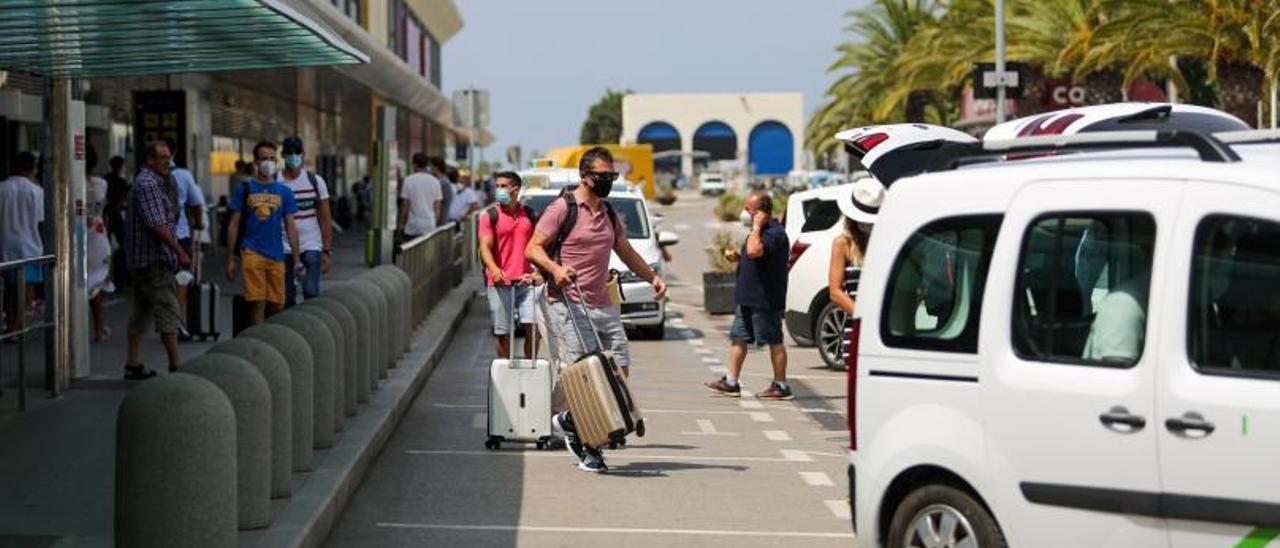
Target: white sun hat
862,204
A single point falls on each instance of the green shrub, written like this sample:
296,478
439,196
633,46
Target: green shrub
728,207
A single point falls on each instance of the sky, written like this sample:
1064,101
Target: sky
545,62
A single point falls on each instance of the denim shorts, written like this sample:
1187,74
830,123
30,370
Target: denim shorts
759,326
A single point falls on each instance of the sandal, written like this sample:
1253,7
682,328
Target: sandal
138,372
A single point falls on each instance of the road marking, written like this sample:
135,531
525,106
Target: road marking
711,225
460,406
760,416
681,226
839,508
711,360
613,456
801,377
706,428
777,435
817,479
693,341
615,530
751,404
480,421
704,351
718,369
795,455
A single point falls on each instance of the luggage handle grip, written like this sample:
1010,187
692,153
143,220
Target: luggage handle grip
586,313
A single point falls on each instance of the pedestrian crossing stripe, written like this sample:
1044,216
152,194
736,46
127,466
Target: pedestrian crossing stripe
1258,538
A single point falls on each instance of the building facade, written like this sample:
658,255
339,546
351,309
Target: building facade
761,133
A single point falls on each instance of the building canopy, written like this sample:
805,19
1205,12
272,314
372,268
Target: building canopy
105,38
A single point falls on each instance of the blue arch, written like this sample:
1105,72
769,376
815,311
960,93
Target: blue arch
661,135
718,139
771,149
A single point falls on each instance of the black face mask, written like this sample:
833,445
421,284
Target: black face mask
601,188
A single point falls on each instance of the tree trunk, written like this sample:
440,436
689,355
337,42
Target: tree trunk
917,104
1240,87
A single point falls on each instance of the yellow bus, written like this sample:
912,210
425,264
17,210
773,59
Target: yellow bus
634,162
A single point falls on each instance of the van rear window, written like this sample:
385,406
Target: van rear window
934,299
1233,314
820,215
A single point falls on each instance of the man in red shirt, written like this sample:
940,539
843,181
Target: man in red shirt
505,232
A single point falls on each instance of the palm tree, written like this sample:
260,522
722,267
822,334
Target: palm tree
882,32
1237,39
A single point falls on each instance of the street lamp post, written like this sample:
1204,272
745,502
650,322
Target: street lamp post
1000,75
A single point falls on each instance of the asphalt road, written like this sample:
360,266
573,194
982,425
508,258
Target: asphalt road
712,471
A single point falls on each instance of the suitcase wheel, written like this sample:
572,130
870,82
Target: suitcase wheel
640,428
493,443
613,445
541,445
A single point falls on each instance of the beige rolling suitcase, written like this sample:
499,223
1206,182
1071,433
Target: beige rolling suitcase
603,409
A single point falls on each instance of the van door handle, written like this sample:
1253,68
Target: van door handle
1189,422
1119,418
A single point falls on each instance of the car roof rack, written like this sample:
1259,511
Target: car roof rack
1207,147
1248,136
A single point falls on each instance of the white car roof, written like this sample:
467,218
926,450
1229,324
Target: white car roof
1073,120
900,135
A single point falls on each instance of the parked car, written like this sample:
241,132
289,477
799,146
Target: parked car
1071,351
893,151
813,222
1118,117
640,309
711,184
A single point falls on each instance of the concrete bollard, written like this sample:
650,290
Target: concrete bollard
395,299
176,465
275,369
297,353
339,358
381,308
351,350
371,297
251,400
366,372
316,333
406,284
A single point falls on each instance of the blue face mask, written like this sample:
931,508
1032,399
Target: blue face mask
503,196
292,161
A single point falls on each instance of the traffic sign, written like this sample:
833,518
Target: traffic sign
986,80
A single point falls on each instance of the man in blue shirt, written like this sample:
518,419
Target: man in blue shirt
761,295
261,210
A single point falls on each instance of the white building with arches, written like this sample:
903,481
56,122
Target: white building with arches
765,130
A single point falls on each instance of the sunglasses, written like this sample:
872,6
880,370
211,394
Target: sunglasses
603,176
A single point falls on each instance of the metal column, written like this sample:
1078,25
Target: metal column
61,218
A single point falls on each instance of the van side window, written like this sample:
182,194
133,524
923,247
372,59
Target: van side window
935,292
1081,295
820,214
1233,320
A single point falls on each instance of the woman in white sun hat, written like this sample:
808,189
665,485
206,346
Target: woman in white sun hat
860,208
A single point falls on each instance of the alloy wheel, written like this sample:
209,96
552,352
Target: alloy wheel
940,526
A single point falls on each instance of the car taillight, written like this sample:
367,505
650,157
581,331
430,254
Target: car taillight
853,329
868,142
797,249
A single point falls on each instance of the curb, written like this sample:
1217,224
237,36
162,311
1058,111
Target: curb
306,520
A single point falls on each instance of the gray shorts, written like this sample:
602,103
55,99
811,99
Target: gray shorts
569,345
500,303
154,298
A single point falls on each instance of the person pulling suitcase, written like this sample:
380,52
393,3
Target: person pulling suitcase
572,242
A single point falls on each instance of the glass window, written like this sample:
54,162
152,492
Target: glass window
1234,314
935,291
820,215
1081,295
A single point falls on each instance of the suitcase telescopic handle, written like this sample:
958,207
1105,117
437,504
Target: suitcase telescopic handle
511,331
586,316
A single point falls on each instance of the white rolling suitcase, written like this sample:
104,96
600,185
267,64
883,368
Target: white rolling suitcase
520,395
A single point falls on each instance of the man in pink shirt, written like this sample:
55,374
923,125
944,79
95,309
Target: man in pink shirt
592,231
505,232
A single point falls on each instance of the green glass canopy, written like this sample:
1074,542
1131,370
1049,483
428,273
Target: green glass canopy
105,38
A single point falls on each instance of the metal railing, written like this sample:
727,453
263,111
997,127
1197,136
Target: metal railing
17,329
437,262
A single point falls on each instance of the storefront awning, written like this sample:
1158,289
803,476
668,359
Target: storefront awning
104,38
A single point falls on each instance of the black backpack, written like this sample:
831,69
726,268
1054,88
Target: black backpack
571,219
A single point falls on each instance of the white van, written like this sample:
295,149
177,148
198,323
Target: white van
1075,350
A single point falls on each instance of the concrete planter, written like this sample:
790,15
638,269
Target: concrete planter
717,292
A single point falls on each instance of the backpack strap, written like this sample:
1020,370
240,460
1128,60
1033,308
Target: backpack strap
493,222
315,185
244,216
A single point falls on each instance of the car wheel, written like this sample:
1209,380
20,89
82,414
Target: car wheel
829,336
942,515
654,332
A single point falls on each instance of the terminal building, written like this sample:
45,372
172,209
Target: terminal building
757,134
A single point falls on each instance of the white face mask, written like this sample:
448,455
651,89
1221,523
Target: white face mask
746,218
267,168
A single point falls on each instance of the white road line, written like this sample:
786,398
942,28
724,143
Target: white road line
751,404
681,226
459,406
795,455
709,359
718,369
706,428
840,509
817,479
800,377
480,421
695,342
777,435
615,530
760,416
613,456
704,351
711,225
